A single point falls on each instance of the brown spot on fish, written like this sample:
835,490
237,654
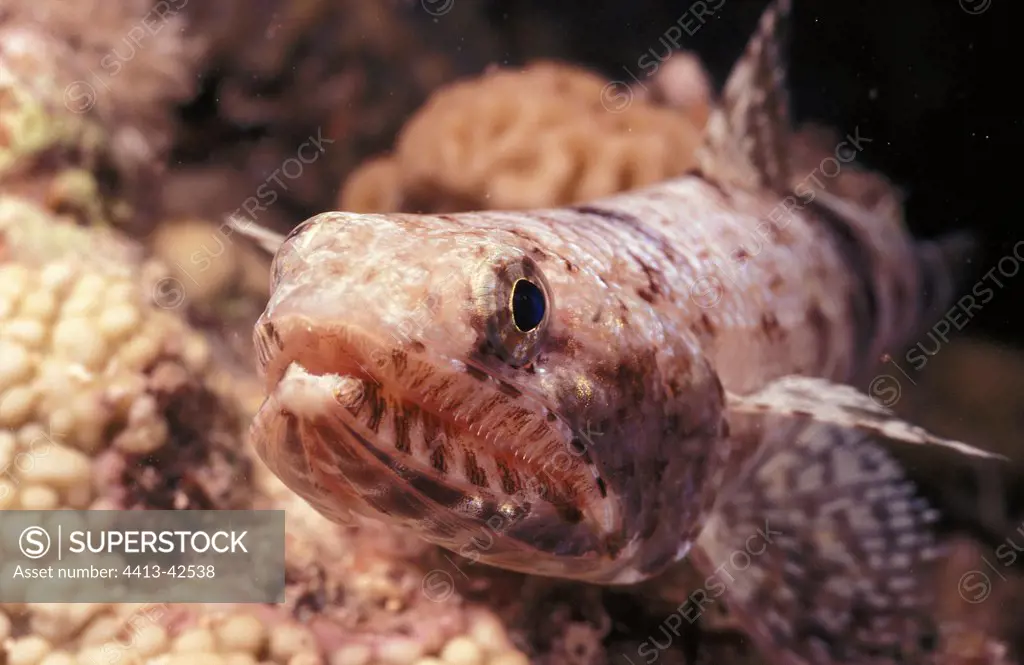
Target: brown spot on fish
522,235
439,459
508,389
378,407
563,344
293,439
484,348
399,501
707,325
509,482
474,472
569,512
630,376
437,391
645,294
655,278
403,425
272,333
400,361
438,492
433,428
570,266
417,346
537,433
770,324
476,373
634,223
492,404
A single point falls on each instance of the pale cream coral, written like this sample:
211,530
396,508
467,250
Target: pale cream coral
101,76
50,149
289,640
28,650
79,329
139,634
194,640
31,233
462,651
241,633
35,118
548,135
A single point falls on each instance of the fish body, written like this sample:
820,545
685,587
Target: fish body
598,392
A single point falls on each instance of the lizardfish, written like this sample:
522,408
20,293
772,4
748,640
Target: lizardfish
599,392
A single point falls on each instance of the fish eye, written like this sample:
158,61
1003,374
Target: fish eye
514,303
527,304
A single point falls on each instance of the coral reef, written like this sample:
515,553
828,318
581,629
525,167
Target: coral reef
110,400
87,93
96,366
130,130
350,71
43,144
549,134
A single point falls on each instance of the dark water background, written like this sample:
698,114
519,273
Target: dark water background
933,82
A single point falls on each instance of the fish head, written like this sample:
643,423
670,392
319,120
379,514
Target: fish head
499,399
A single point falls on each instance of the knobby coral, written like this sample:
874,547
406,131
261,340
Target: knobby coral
87,92
550,134
109,399
93,357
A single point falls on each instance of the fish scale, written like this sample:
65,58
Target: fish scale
635,426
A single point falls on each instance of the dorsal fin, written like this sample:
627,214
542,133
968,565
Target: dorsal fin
746,136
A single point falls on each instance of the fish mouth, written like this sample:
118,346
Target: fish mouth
448,450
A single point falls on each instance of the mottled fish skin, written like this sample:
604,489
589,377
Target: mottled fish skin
859,508
646,416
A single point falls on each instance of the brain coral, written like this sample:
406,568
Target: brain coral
550,134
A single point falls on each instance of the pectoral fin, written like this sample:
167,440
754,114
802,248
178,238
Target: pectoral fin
837,518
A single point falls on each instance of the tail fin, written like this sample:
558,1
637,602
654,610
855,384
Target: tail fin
909,284
944,266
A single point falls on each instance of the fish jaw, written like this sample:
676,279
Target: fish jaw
363,423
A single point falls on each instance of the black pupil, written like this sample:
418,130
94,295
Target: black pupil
527,305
